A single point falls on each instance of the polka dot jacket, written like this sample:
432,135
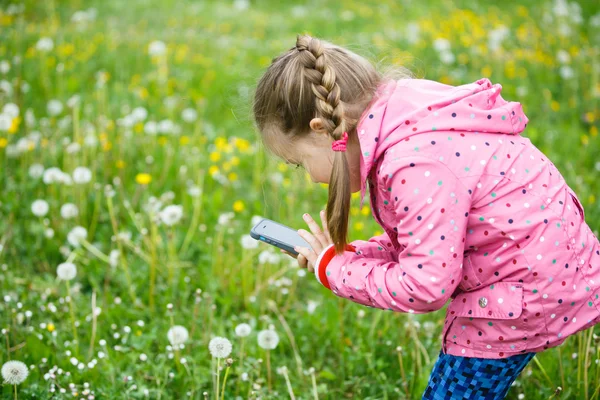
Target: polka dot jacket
472,212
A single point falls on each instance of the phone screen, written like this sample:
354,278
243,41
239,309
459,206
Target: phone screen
278,235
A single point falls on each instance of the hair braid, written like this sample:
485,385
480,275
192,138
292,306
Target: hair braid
330,109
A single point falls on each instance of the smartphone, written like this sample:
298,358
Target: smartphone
278,235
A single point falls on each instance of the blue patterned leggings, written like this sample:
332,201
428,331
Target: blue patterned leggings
471,378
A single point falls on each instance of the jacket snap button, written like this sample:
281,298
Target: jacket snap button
483,302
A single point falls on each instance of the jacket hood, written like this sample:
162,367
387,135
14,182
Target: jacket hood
401,109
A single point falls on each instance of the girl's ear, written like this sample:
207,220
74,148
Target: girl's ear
317,125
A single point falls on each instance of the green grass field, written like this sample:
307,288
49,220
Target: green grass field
127,149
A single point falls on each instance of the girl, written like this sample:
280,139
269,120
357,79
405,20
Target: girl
472,211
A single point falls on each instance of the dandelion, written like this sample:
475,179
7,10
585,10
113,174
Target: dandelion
249,243
238,206
5,122
225,218
268,340
171,215
113,258
54,107
157,48
45,44
82,175
177,335
39,208
143,178
243,330
14,373
220,347
66,271
189,115
311,306
76,235
69,211
11,109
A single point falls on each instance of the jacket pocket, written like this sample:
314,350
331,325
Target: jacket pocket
492,315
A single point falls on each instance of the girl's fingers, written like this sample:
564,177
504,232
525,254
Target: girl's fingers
288,253
324,223
316,245
316,230
305,256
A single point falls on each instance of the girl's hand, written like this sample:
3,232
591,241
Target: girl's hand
318,240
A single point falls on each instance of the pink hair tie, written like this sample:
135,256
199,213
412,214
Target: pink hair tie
340,145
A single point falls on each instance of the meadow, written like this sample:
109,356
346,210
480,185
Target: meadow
131,174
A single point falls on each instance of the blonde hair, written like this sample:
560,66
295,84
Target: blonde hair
316,79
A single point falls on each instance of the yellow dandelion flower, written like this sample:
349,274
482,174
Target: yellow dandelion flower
242,144
106,146
358,226
103,136
585,140
184,140
590,117
215,156
213,170
287,182
238,206
555,105
14,125
143,93
486,71
377,233
282,167
3,143
162,140
594,131
120,164
365,211
139,127
235,161
143,178
355,195
50,327
354,211
232,176
44,142
138,333
220,143
591,199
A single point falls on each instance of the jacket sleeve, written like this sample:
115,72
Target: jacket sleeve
430,207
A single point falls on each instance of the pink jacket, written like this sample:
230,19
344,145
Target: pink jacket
472,212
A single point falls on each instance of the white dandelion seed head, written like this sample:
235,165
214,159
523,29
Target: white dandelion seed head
248,242
54,107
69,211
243,330
14,372
76,235
66,271
219,347
157,48
11,109
45,44
40,208
36,171
268,339
114,258
189,115
82,175
177,335
170,215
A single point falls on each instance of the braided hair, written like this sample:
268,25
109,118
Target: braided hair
316,79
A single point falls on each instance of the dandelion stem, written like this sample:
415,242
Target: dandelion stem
72,312
218,374
269,369
195,217
152,265
94,319
404,382
543,371
224,381
314,384
289,384
113,221
15,391
94,250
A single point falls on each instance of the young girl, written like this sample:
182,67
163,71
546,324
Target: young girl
471,210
